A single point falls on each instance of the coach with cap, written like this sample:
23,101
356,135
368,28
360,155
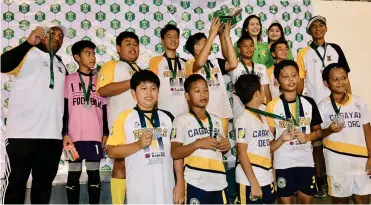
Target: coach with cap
34,121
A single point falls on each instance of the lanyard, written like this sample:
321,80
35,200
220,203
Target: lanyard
202,124
247,70
322,58
86,92
51,55
267,114
336,109
207,69
154,120
170,64
299,111
131,65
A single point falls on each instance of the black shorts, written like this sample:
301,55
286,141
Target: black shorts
294,179
198,196
269,194
89,150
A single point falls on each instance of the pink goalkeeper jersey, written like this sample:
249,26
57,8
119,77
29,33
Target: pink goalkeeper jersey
84,124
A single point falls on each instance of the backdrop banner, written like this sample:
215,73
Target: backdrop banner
102,20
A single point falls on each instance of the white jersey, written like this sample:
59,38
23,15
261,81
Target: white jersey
204,169
218,98
274,87
35,110
171,95
259,70
256,134
149,171
346,151
292,153
116,71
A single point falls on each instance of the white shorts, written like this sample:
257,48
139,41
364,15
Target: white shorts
347,185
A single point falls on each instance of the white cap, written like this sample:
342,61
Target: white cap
316,18
56,24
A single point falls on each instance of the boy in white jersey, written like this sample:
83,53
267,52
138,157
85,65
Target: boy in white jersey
347,142
114,83
280,51
246,65
198,138
141,135
170,69
293,160
213,70
254,168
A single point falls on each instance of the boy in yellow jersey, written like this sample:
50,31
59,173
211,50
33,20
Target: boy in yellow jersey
347,142
170,69
114,83
213,70
198,138
293,160
254,172
141,135
279,51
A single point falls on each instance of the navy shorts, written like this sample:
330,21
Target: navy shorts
269,194
89,150
199,196
294,179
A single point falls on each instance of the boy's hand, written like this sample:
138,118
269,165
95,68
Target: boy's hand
227,29
67,141
221,30
146,139
256,192
104,141
36,36
179,192
336,128
207,143
214,27
301,137
224,145
368,166
286,136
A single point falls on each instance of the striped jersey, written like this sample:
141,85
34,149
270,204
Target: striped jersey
346,151
293,153
311,67
219,104
149,171
116,71
171,95
256,134
204,168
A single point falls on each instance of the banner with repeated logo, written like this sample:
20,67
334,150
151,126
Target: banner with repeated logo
102,20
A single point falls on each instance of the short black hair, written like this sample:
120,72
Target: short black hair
168,27
280,41
126,34
244,37
328,68
281,65
79,46
245,87
280,28
191,79
245,25
193,40
144,76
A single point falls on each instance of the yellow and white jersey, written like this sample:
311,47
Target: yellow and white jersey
292,153
259,70
204,169
346,151
116,71
149,172
256,134
171,96
273,87
218,98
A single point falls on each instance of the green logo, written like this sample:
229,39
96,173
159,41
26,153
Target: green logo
39,16
8,16
41,2
71,33
69,50
297,22
260,3
299,37
157,2
234,151
8,48
296,9
115,8
145,40
264,32
284,3
286,16
144,8
100,2
211,4
85,24
22,40
130,16
158,16
224,9
185,50
85,8
199,25
100,16
287,30
8,33
263,16
236,2
157,32
289,43
100,33
249,9
86,38
306,2
130,30
185,4
198,10
115,24
273,9
71,67
144,24
101,50
70,2
186,17
24,25
186,33
238,32
70,16
129,2
215,48
55,8
232,136
24,8
172,9
308,15
159,48
309,42
172,23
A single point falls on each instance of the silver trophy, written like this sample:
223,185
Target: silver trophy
293,129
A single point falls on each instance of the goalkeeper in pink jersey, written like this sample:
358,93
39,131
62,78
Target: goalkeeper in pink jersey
85,124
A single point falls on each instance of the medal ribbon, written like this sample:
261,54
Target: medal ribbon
207,69
51,55
154,120
131,65
322,58
247,70
299,111
170,64
336,109
267,114
202,124
86,92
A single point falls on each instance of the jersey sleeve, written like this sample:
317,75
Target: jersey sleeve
365,114
342,60
178,131
154,63
242,129
270,109
12,60
300,62
221,63
106,74
322,113
117,134
265,78
316,116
